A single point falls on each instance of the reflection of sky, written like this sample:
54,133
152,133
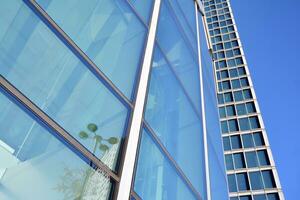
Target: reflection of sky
270,35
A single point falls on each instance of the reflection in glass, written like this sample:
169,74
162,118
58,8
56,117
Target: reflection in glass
42,68
156,178
35,165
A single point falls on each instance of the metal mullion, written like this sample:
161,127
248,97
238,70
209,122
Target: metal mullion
49,122
130,153
32,4
171,159
205,135
137,14
135,195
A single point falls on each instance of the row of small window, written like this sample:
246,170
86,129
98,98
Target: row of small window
227,54
216,6
241,124
236,96
238,109
229,63
231,73
258,180
226,45
213,25
224,37
233,84
270,196
247,160
211,2
249,140
218,31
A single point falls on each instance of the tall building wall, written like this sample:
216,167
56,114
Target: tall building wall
251,170
108,99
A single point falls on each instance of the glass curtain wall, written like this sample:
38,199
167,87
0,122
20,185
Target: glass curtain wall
70,71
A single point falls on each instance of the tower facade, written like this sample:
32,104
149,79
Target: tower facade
251,170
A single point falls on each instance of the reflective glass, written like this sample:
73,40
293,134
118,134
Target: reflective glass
156,178
268,179
250,107
242,180
229,162
230,110
104,30
241,109
258,139
256,181
244,124
35,61
36,165
236,142
226,143
259,197
175,121
254,122
222,112
239,161
251,159
245,198
273,196
238,96
224,127
232,183
144,8
183,61
263,157
233,126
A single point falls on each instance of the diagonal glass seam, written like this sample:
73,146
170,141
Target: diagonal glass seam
50,23
178,169
50,123
135,195
137,14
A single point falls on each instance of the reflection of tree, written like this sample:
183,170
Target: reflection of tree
73,182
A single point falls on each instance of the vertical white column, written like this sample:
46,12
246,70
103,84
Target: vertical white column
206,160
136,123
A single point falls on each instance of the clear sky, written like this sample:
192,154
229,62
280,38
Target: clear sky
270,34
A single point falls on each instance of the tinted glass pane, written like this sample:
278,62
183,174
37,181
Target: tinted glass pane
41,67
229,162
238,96
156,178
236,142
228,97
256,181
254,122
36,165
239,160
244,124
241,109
171,115
104,30
268,179
247,94
232,183
144,8
242,181
274,196
230,110
232,124
222,112
245,198
224,127
251,159
258,139
247,140
260,197
226,143
250,107
263,157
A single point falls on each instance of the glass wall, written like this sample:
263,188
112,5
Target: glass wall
70,72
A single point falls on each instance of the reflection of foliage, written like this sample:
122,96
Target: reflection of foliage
73,182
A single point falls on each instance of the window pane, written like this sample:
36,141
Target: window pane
226,143
230,110
241,109
239,160
273,196
258,139
232,124
251,159
156,178
222,112
36,165
250,107
144,8
260,197
238,96
256,180
228,97
232,183
263,157
268,179
229,162
236,142
244,124
242,181
104,30
247,140
254,122
224,127
44,69
245,198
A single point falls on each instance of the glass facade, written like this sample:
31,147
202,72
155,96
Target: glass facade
251,171
114,99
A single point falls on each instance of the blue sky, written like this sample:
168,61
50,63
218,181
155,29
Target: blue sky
270,34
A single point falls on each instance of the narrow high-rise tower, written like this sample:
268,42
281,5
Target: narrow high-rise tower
250,166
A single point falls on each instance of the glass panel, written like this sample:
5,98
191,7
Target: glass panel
263,158
241,109
230,110
258,139
254,122
256,181
222,112
248,141
224,127
250,107
239,161
41,67
251,159
144,8
244,124
260,197
236,142
175,121
273,196
155,177
181,58
233,126
232,183
242,181
229,162
104,30
226,144
36,165
245,198
268,179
